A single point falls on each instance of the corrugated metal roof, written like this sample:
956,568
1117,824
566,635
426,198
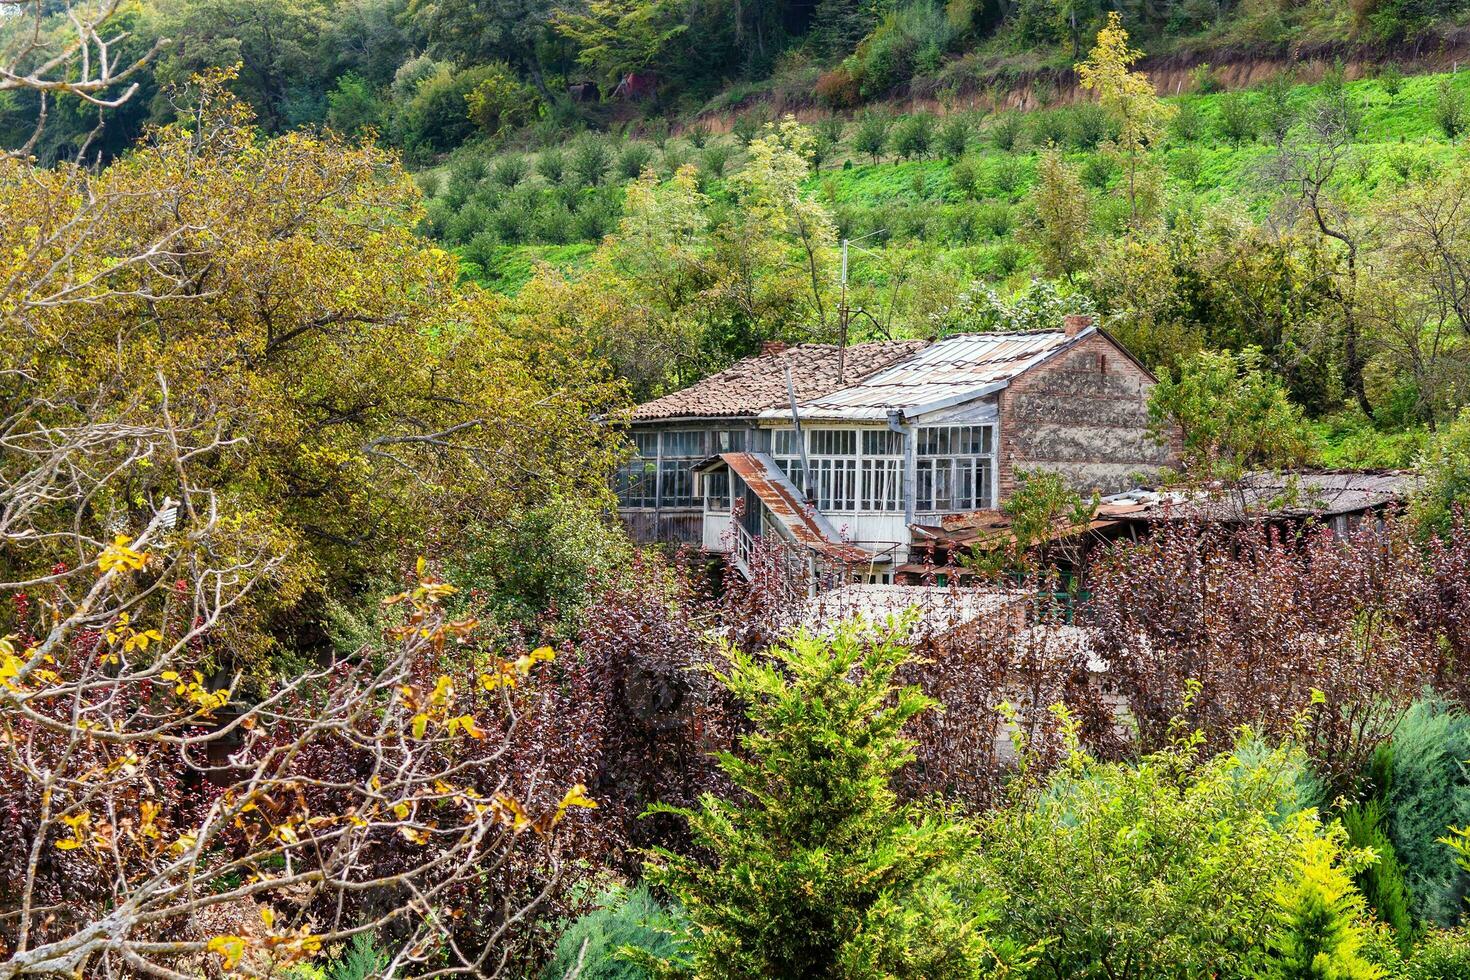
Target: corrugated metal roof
947,372
807,526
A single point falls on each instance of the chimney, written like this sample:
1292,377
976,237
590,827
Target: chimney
1075,323
772,347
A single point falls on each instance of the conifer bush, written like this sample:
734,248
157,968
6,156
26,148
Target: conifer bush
816,869
1430,792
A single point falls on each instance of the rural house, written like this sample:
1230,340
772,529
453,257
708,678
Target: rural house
840,452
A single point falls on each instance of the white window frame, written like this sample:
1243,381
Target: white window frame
843,478
951,463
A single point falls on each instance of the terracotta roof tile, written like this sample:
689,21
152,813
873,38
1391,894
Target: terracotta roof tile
759,383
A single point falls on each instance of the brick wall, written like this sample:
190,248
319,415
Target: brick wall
1083,414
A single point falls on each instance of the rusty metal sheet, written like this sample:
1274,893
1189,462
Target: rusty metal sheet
807,526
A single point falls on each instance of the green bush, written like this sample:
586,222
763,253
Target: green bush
633,158
913,137
1320,933
1239,122
1429,792
353,106
1449,109
997,218
715,158
1440,955
1098,170
1050,129
552,165
1089,126
871,138
1277,114
1169,866
815,867
436,117
554,224
467,222
1007,175
623,918
965,176
590,159
510,171
1188,124
1006,131
511,220
908,38
954,138
1382,883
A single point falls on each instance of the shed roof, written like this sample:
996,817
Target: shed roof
805,525
757,384
948,372
1299,493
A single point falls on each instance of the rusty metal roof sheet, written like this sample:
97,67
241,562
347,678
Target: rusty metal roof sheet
805,524
759,383
947,372
1300,493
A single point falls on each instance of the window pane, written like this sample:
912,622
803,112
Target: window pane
882,442
717,490
880,484
684,445
728,441
943,486
964,491
676,483
833,442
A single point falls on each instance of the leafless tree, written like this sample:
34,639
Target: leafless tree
72,51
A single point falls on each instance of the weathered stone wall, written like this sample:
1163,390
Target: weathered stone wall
1083,414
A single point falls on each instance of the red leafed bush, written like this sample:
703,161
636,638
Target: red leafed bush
1342,631
656,713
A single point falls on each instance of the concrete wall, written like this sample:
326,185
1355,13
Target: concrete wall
1083,414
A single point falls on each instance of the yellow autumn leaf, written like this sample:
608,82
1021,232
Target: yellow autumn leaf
119,555
420,725
525,662
229,948
467,723
576,796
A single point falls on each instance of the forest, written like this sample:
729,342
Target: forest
324,652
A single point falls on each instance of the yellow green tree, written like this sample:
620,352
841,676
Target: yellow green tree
1140,115
275,292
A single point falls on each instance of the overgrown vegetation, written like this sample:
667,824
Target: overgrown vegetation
321,655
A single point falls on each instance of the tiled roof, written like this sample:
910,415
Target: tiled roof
947,372
759,383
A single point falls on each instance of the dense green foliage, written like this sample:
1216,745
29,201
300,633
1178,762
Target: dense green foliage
1198,900
1382,882
1430,792
817,869
595,942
